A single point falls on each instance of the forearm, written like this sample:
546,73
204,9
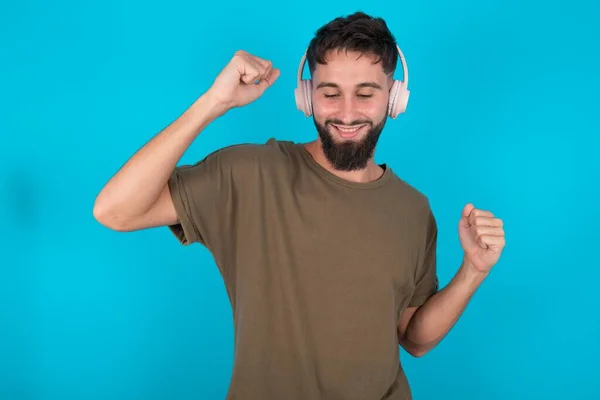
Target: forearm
136,186
434,319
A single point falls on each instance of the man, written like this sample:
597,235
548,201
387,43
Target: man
329,259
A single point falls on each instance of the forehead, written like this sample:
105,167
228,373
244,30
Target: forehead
349,68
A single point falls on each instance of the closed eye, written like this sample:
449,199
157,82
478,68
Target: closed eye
364,96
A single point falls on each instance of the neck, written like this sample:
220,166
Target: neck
370,173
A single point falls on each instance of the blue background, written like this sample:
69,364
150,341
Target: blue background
503,113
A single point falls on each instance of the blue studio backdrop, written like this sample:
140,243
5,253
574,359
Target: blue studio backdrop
503,113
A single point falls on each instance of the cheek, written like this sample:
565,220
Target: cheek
374,109
324,108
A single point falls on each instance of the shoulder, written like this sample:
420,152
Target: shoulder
414,208
246,154
411,197
245,157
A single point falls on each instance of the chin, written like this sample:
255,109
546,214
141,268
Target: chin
349,147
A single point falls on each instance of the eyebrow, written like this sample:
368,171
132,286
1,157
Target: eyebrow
360,85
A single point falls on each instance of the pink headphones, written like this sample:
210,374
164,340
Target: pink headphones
399,92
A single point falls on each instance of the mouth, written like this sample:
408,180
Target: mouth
348,132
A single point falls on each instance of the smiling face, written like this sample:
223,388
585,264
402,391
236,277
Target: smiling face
350,100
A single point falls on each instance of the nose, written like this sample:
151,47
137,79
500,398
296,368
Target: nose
347,109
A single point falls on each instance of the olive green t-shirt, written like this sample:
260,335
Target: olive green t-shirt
318,269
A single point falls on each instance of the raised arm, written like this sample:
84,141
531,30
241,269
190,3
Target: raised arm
137,196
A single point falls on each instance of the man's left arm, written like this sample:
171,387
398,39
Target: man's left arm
422,327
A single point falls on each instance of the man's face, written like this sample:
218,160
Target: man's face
350,100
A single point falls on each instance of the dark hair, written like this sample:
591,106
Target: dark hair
356,32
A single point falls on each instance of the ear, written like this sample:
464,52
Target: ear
389,80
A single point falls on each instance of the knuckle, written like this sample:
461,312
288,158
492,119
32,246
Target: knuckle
239,55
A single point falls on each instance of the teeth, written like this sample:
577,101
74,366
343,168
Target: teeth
348,129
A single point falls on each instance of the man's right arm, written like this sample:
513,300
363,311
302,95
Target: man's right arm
137,196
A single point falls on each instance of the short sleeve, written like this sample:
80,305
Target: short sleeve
426,280
201,197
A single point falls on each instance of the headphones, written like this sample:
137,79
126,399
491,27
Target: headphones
399,92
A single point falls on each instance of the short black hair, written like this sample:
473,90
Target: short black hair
358,32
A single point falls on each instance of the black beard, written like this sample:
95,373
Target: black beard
349,155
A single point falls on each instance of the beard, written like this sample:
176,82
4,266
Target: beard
349,155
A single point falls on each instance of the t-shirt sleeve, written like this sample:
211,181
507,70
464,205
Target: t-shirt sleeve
426,280
201,195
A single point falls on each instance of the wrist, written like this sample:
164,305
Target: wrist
200,114
470,275
212,105
204,110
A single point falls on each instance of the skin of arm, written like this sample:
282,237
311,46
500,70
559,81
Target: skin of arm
482,239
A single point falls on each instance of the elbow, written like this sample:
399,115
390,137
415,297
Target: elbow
106,216
414,349
418,352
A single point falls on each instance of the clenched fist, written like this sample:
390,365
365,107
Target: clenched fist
243,80
481,237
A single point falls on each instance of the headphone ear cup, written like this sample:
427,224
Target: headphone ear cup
307,97
299,98
393,97
399,95
303,97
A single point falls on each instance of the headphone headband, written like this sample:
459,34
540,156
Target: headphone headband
399,92
402,60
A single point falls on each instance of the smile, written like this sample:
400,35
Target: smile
348,131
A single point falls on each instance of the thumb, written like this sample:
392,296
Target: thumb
466,212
